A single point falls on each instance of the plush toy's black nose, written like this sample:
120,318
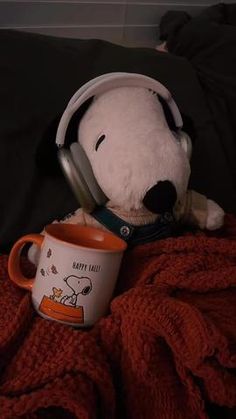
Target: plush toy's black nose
161,197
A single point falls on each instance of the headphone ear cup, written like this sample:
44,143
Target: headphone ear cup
186,143
76,180
84,167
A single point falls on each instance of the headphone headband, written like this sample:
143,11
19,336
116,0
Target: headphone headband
107,82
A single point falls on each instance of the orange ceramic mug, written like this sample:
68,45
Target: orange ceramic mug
76,273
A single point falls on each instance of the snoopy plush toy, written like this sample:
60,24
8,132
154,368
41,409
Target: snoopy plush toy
128,168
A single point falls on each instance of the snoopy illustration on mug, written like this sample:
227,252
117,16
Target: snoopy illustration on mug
78,285
65,303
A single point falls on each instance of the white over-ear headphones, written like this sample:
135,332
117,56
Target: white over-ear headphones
74,161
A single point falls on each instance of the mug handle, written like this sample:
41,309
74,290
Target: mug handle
14,270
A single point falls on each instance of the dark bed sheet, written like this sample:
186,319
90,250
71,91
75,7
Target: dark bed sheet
38,75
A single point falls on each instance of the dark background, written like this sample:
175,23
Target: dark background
39,74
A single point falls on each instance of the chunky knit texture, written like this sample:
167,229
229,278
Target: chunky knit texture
166,350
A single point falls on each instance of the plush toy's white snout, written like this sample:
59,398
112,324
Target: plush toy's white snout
136,159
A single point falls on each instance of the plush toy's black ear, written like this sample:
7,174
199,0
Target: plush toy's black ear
46,152
168,114
188,126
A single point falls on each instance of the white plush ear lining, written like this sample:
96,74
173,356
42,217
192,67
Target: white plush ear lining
186,143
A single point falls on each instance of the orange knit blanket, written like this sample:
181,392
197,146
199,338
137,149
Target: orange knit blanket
167,349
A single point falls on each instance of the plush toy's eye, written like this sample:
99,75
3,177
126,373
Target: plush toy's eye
99,141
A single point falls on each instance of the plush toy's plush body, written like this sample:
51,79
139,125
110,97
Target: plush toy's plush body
141,165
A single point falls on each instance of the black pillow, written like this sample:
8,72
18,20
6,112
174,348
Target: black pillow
38,75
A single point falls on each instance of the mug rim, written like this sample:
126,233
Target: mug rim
117,244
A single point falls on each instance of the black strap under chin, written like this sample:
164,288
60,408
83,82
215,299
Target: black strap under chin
134,235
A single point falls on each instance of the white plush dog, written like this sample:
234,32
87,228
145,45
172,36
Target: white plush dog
139,163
